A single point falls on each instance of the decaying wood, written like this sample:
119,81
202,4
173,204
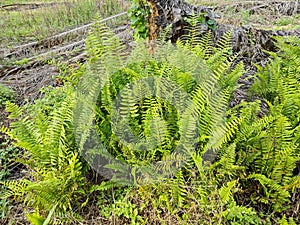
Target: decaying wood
171,12
245,40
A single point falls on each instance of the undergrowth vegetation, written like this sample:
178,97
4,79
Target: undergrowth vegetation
47,20
235,165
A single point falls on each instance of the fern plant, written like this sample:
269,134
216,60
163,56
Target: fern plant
133,104
55,184
149,106
268,147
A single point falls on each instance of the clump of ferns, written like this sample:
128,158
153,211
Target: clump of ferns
267,149
181,64
206,77
55,185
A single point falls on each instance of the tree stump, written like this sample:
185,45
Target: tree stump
245,39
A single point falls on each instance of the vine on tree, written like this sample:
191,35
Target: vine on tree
139,13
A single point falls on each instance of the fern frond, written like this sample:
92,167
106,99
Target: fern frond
14,110
273,191
225,192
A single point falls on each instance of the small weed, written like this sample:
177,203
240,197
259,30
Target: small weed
6,94
139,13
245,17
8,153
241,215
22,62
284,21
